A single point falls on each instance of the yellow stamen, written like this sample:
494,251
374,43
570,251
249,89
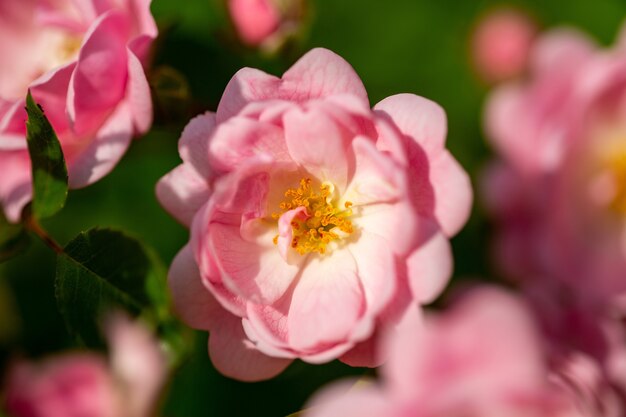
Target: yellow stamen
323,222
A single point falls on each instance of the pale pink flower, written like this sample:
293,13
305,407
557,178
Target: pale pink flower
501,43
82,61
558,191
481,358
86,385
313,218
266,23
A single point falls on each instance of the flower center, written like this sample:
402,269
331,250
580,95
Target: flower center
617,167
323,221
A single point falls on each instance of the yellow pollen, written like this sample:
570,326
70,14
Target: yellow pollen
617,164
323,223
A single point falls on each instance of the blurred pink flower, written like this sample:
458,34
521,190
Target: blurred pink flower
85,385
313,218
255,20
82,61
481,358
501,43
266,23
558,190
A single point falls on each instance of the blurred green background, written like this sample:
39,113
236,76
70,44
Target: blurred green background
417,46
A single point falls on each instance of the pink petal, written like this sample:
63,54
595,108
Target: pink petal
397,223
327,302
182,192
317,142
194,142
377,178
266,325
235,356
239,138
320,73
420,119
193,302
15,183
561,49
429,267
254,270
138,362
105,150
453,193
138,95
347,399
375,264
248,85
50,91
99,81
364,354
285,233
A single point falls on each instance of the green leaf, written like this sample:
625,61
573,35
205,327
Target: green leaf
48,164
102,270
13,239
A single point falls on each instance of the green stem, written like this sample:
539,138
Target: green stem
31,224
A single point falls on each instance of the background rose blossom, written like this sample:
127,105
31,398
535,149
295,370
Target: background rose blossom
501,43
557,188
482,357
82,61
260,289
85,385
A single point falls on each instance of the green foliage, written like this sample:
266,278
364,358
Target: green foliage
102,270
48,163
13,239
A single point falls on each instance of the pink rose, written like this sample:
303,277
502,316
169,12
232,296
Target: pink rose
558,191
84,385
314,219
501,43
266,23
481,358
82,61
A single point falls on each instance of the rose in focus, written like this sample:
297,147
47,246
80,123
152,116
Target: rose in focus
314,219
82,61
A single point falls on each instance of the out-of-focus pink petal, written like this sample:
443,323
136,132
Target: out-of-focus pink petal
326,303
253,269
193,302
138,94
348,399
453,193
429,267
235,356
182,192
99,81
255,20
422,120
561,49
318,144
320,73
15,183
138,362
105,151
49,91
501,44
